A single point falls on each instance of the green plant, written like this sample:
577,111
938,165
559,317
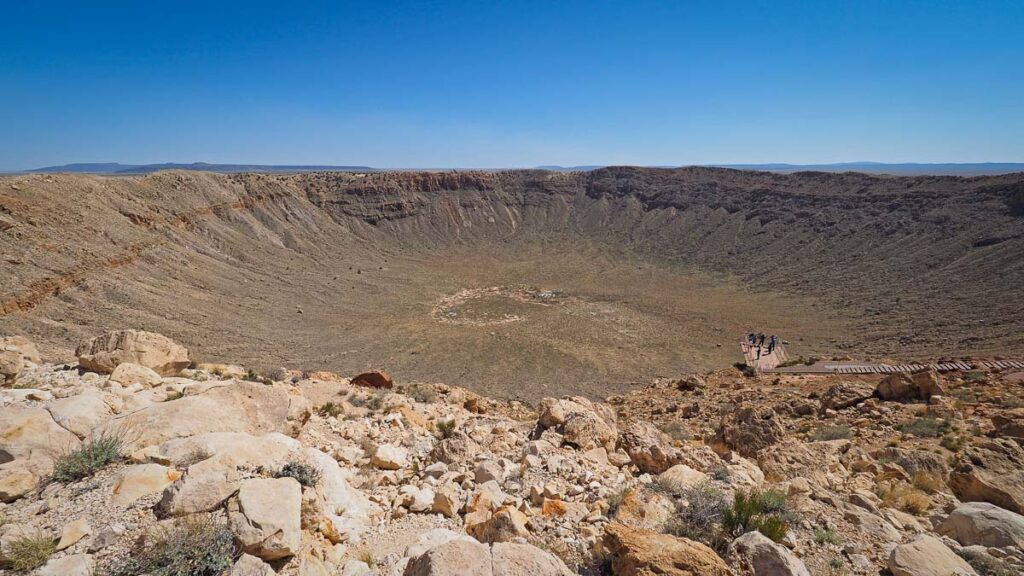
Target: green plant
91,456
330,409
194,546
764,511
953,442
721,473
974,376
372,402
30,551
446,428
823,535
306,475
925,427
826,432
616,500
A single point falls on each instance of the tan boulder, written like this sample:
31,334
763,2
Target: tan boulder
503,525
508,559
73,532
389,457
15,483
202,488
644,509
1009,424
23,346
903,387
750,429
927,556
128,373
456,449
11,365
983,524
249,565
635,552
104,353
649,448
992,472
141,480
245,407
583,423
266,517
80,414
73,565
759,555
680,477
453,558
29,435
845,395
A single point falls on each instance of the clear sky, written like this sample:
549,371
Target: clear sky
506,84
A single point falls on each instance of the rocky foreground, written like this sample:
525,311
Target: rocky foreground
134,460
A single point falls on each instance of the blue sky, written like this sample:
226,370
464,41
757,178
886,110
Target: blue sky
507,84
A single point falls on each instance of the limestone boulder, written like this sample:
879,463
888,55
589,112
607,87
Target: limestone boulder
583,423
1009,424
128,373
80,414
635,552
759,555
457,449
22,346
649,449
991,472
141,480
927,556
265,517
505,524
15,483
750,429
11,365
454,558
509,559
104,353
31,440
389,457
249,565
73,565
347,510
845,395
680,477
983,524
903,387
245,407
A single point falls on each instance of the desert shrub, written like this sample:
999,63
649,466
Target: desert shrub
927,482
826,432
721,474
616,499
953,442
906,498
973,376
252,376
700,516
824,535
925,427
675,431
423,394
29,551
764,511
90,457
194,546
173,395
372,402
366,556
306,475
330,409
446,428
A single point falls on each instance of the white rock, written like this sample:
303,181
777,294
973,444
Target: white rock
128,374
266,517
389,457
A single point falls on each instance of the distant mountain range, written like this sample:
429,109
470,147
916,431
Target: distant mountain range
116,168
901,169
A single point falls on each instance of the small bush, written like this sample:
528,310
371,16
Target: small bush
304,473
925,427
91,456
826,432
372,402
826,536
953,442
446,428
721,474
423,394
195,546
700,517
30,551
330,409
928,482
616,499
974,376
906,498
756,510
173,395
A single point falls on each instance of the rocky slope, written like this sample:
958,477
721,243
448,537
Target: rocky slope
657,270
130,458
